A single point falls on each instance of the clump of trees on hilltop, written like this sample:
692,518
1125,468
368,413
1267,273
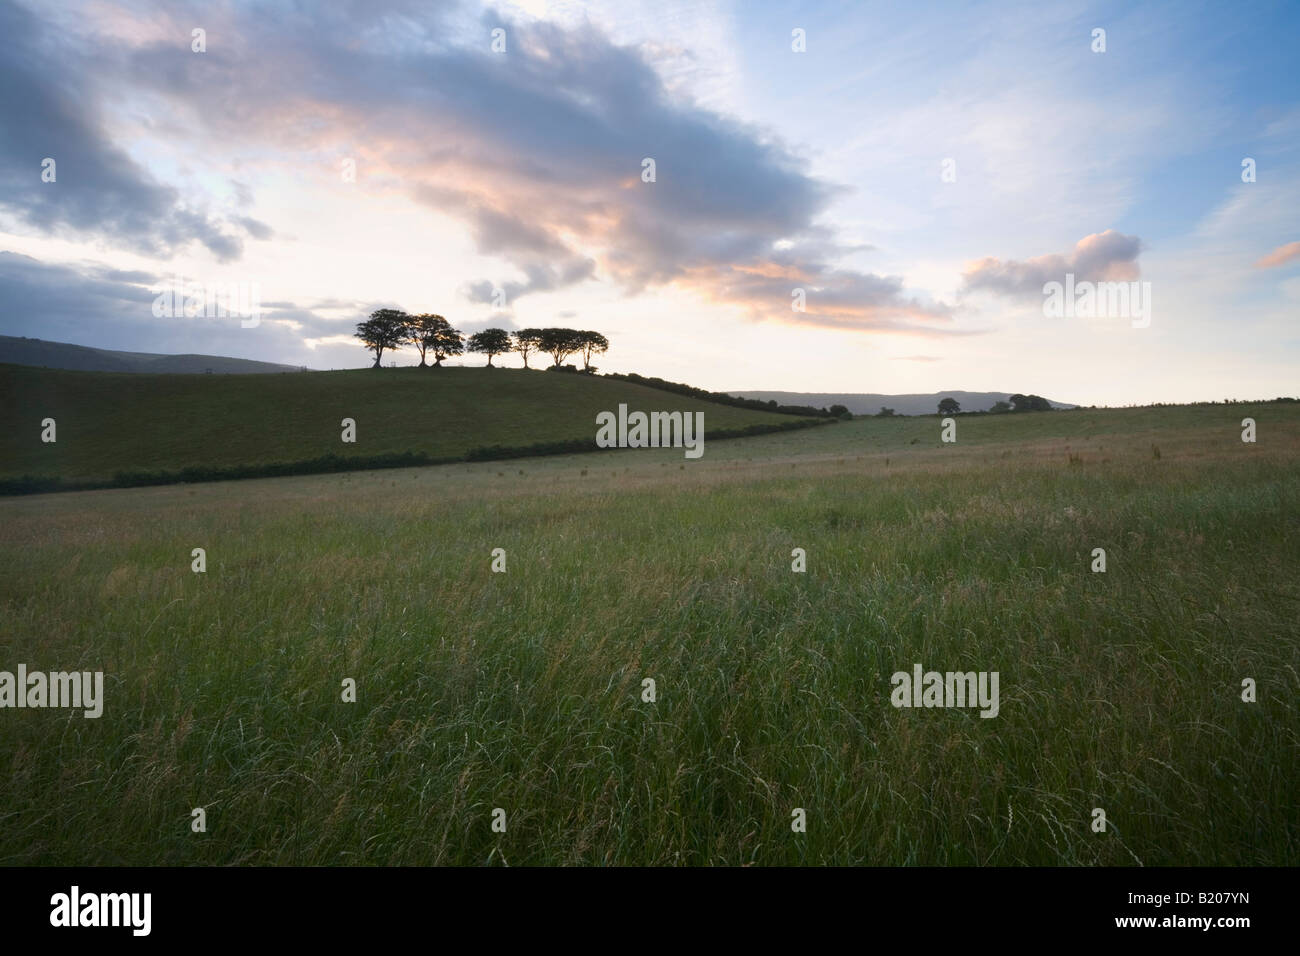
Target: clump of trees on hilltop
1030,403
1018,403
559,344
390,329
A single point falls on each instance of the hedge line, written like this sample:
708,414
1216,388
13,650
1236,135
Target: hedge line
718,398
326,464
32,484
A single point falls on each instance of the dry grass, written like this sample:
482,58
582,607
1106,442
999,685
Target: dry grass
523,690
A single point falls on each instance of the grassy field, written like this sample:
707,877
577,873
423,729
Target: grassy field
523,690
109,422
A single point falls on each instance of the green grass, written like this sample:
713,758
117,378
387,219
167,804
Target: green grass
523,690
112,422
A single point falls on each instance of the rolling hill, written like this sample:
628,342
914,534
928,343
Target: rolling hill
109,423
869,403
526,689
81,358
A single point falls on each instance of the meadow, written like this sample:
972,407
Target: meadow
109,422
524,690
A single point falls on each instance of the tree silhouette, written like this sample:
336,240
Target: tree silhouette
489,341
444,341
949,406
591,343
385,329
527,340
560,343
1030,403
420,332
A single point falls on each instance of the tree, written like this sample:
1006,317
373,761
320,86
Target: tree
559,343
527,340
841,411
490,342
444,341
1030,403
385,329
949,406
591,343
1000,407
421,330
884,412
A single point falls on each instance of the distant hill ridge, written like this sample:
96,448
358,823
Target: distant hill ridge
869,403
81,358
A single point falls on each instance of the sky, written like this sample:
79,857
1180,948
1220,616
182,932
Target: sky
846,197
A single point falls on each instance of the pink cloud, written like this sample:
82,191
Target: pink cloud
1279,256
1108,256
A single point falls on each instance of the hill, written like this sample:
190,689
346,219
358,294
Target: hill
108,423
81,358
868,403
526,690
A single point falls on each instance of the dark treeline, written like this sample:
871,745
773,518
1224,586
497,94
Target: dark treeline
390,329
1014,403
722,398
329,464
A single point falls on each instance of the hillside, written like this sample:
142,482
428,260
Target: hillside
868,403
81,358
525,689
117,422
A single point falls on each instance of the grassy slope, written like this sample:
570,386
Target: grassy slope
62,355
111,422
523,690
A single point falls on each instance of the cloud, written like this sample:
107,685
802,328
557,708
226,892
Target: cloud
1279,256
255,228
135,276
541,277
498,320
54,301
41,298
98,190
1100,257
538,152
243,193
831,298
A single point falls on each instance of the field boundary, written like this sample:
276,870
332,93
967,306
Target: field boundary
328,464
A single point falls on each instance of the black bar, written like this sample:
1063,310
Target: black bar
977,906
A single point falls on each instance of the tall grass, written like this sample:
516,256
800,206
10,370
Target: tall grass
523,690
